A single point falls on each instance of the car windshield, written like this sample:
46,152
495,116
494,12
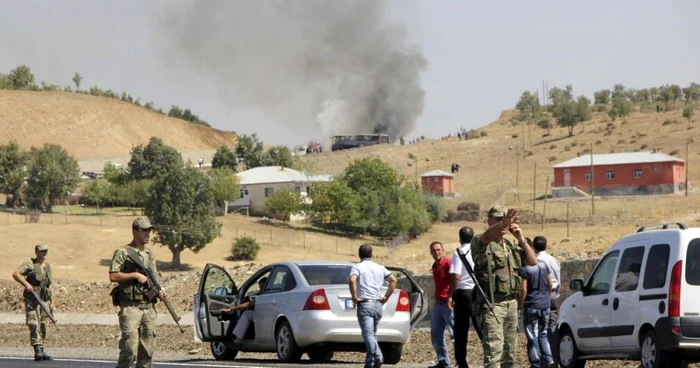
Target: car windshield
326,274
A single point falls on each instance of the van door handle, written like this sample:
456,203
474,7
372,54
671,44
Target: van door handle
605,301
616,303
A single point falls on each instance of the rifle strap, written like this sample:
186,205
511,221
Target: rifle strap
134,257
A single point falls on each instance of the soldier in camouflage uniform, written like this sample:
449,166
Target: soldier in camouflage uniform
496,264
35,274
137,310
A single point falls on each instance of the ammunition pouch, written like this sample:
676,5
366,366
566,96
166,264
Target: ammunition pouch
114,294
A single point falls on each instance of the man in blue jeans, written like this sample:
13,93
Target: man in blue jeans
366,282
442,313
534,301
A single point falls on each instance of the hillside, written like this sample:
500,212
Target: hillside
492,170
93,128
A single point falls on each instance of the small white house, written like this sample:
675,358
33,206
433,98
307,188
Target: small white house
261,182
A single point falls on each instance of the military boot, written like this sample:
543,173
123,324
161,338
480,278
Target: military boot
37,353
44,356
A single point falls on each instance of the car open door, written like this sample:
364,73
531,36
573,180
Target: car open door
217,290
419,304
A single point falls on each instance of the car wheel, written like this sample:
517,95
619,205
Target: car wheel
568,352
287,349
223,351
392,353
652,357
320,356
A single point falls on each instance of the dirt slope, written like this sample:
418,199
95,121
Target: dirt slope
93,128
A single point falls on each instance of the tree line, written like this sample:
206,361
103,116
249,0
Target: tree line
250,152
568,111
22,78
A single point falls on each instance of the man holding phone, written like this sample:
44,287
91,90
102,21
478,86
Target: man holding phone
497,264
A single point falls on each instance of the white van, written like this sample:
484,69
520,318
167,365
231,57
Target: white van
641,302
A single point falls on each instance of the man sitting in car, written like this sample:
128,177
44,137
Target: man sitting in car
248,306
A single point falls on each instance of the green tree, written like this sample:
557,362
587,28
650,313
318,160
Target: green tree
641,96
334,202
180,206
546,123
250,147
115,174
175,112
99,192
154,160
528,105
621,107
5,82
21,77
135,193
77,78
602,97
53,174
283,203
569,112
677,92
12,171
224,186
224,157
688,113
370,173
280,156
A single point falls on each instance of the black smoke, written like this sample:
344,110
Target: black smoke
329,67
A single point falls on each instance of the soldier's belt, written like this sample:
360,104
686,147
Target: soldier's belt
498,298
137,304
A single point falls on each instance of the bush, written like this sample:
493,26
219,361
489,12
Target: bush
674,152
482,133
552,158
435,207
574,144
670,122
244,248
567,148
411,156
553,146
621,141
514,135
598,142
528,153
644,146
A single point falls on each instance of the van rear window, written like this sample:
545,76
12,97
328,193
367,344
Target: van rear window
326,274
692,263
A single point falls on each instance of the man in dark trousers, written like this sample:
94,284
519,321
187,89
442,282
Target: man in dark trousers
442,312
460,299
534,302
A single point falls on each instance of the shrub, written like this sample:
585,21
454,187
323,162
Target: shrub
411,156
435,207
670,122
587,150
552,158
514,135
598,142
574,144
482,133
621,141
553,146
674,152
644,146
244,248
528,153
567,148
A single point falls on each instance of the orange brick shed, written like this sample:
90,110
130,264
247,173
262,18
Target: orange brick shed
438,182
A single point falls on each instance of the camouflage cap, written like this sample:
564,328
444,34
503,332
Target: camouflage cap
498,211
142,223
41,247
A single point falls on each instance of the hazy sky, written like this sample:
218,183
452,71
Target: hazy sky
480,55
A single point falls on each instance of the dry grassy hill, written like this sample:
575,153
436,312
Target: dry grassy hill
501,165
93,128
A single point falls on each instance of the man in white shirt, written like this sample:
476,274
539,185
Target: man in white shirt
366,282
539,244
460,296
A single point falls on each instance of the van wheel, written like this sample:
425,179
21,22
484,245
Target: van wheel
287,349
568,352
223,351
652,357
320,356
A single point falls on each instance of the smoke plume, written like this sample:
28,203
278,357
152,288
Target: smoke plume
328,67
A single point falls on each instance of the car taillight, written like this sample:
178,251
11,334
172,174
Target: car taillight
674,295
404,303
317,301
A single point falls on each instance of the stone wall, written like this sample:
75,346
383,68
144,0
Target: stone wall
573,269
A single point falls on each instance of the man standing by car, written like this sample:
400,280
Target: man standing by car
461,286
540,246
35,275
441,318
497,264
366,281
137,310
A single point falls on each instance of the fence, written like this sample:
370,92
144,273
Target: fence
264,232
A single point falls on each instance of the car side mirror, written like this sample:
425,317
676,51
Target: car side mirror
576,285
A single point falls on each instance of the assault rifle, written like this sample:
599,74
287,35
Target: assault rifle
44,307
470,270
155,287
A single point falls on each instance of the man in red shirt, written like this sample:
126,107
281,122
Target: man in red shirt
441,311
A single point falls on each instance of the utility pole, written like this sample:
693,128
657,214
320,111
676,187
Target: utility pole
687,159
415,163
517,170
592,184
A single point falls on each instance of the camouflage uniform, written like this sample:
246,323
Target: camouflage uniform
39,276
496,267
137,312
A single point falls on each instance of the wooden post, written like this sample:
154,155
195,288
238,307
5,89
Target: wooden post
534,188
517,169
592,184
8,218
567,219
544,210
271,237
336,245
65,212
687,161
304,241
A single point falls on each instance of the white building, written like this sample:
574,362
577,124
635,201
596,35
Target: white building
261,182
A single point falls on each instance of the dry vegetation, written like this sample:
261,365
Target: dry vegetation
93,128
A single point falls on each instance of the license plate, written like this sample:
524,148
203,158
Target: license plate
348,304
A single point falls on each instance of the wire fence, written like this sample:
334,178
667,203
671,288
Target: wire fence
284,236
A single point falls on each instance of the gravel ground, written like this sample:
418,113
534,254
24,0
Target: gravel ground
100,342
